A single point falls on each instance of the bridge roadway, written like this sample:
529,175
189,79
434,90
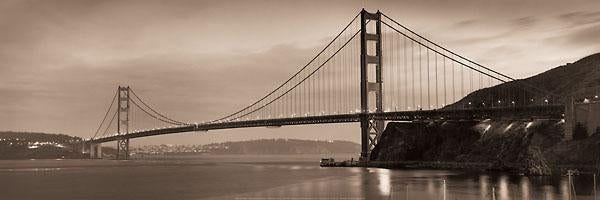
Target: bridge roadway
546,111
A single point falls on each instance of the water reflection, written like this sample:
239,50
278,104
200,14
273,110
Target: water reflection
384,181
434,185
484,186
282,181
503,188
525,188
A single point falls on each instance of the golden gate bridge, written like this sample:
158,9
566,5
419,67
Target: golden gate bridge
373,71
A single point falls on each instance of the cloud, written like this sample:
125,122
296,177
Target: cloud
580,17
183,85
465,23
582,37
525,22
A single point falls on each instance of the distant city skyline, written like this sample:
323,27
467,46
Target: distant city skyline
197,60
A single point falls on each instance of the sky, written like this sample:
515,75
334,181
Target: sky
61,61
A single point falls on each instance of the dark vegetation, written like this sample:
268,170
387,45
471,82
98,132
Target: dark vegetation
31,145
580,132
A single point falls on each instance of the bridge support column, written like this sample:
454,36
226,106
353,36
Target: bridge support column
123,149
95,150
371,129
99,150
92,151
123,123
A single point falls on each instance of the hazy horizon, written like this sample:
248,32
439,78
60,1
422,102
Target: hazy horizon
196,60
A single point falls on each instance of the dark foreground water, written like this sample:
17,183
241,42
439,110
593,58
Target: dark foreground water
263,177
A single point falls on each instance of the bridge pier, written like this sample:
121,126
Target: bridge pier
95,150
123,149
370,129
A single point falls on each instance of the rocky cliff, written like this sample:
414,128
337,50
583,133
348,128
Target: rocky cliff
533,147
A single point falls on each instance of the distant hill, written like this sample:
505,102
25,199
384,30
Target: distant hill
263,146
284,146
579,79
27,145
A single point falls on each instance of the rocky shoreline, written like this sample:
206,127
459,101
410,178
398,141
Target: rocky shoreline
530,147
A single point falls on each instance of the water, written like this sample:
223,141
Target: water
262,177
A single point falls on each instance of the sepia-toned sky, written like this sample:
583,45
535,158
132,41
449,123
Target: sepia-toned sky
61,61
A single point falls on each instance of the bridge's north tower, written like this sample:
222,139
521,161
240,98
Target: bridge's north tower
371,93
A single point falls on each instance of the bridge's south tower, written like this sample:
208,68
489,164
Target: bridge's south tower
123,123
371,94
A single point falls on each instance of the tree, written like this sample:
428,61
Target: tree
579,132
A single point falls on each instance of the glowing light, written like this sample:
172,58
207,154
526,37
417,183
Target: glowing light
487,128
529,125
508,127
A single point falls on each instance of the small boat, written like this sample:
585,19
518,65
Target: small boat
327,162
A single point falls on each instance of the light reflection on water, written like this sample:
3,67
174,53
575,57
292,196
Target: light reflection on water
272,180
384,181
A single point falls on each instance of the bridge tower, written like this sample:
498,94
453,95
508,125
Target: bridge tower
370,89
123,123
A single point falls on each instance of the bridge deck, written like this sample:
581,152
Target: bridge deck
547,111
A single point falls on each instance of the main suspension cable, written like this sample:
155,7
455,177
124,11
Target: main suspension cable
293,76
112,102
167,118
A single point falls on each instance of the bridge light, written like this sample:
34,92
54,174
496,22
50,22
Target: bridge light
469,103
513,102
531,100
499,101
596,96
546,100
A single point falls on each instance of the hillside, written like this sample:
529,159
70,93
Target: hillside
530,146
263,146
27,145
285,146
581,78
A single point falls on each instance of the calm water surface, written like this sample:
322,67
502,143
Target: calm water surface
263,177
